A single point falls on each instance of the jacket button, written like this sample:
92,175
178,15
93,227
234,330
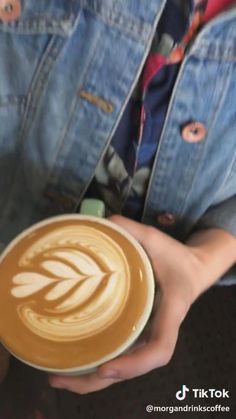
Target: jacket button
166,219
10,10
194,132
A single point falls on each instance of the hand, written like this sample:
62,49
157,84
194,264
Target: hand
180,272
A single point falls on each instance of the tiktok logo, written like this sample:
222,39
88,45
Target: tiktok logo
181,394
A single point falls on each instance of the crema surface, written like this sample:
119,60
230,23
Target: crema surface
71,292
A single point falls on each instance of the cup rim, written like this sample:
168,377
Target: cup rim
147,308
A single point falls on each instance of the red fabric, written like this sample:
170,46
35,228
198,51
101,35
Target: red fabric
214,7
156,61
153,64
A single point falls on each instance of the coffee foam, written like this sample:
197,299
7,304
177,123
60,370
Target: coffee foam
85,274
69,293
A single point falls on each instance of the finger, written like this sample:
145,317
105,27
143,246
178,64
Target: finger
156,353
81,384
133,227
145,234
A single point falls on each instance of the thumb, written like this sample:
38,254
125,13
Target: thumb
157,352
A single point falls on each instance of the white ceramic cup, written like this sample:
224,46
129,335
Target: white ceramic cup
89,367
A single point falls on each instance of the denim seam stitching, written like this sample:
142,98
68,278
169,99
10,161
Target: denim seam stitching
35,92
212,118
49,179
39,82
9,100
214,57
139,31
39,26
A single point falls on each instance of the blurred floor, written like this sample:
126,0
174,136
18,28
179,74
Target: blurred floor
205,358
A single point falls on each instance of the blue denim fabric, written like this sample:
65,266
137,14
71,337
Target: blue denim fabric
67,70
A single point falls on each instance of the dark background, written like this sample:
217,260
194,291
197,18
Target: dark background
205,357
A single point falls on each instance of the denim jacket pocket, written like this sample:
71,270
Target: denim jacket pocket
29,48
44,16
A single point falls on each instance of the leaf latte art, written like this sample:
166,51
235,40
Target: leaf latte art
71,283
74,293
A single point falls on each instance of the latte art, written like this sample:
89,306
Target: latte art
85,280
73,291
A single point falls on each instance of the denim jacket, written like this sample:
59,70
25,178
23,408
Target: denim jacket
67,70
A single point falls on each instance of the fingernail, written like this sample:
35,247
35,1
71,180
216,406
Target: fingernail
111,374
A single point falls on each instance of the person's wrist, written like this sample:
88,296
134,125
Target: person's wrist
215,251
201,279
198,273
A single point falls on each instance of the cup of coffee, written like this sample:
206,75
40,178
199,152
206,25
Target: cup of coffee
75,291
